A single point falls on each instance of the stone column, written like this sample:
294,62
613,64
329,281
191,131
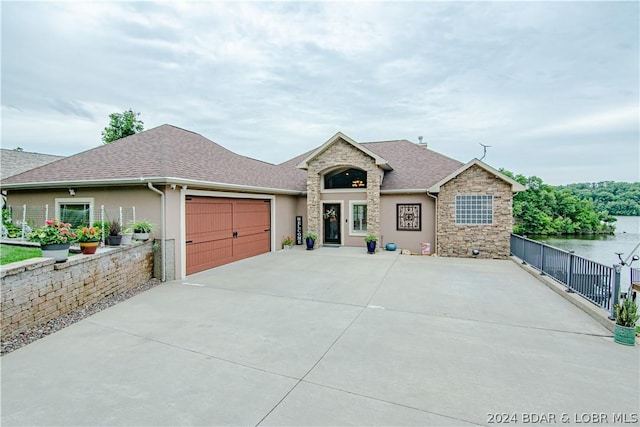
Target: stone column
373,202
313,202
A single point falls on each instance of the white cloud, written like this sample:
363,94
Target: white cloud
274,79
624,119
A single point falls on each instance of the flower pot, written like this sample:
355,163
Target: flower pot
310,244
624,334
89,248
59,252
390,246
126,239
371,247
114,240
141,236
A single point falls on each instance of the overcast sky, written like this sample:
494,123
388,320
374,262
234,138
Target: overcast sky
552,87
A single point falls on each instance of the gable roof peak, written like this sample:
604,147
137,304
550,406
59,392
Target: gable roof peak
339,136
515,185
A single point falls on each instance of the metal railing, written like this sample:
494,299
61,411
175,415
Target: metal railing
596,282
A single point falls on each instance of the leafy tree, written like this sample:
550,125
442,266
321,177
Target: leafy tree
121,125
543,209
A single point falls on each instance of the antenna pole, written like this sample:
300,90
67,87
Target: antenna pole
484,150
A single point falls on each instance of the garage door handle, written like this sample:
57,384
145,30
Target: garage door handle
189,241
235,234
268,229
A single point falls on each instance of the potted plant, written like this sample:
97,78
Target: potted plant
89,238
626,317
287,242
141,229
310,239
115,233
371,243
54,238
127,236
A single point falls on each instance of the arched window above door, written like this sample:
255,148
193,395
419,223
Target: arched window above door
345,178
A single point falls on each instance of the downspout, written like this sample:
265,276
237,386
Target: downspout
435,198
162,220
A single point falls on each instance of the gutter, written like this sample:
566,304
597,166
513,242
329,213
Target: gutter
435,198
404,191
164,227
156,180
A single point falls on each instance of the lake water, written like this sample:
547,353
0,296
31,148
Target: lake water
602,248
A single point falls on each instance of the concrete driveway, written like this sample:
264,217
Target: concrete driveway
330,337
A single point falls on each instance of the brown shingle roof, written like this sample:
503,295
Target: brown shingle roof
165,152
168,152
414,166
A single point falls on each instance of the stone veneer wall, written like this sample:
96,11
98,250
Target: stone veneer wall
37,290
458,240
342,153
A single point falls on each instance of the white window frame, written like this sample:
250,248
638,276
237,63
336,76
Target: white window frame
353,232
476,213
76,201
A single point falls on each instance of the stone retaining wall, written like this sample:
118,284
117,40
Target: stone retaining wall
37,290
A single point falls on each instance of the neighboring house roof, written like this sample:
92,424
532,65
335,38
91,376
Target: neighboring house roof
13,162
515,185
334,139
162,154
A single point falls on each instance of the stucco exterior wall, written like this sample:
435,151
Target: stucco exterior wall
458,240
411,240
341,153
284,223
146,202
344,198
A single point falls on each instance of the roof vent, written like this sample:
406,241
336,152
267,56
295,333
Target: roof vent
420,143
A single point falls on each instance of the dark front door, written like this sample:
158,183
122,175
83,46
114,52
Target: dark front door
331,215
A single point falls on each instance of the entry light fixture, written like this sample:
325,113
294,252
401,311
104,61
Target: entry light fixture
72,192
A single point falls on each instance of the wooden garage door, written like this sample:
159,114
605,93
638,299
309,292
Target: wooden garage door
220,231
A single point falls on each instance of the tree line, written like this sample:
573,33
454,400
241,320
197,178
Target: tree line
617,198
544,209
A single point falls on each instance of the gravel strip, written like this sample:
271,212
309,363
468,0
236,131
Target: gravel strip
20,340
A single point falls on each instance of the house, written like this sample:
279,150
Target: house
213,206
13,162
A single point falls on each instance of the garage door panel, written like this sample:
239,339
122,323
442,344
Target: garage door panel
205,255
222,230
252,245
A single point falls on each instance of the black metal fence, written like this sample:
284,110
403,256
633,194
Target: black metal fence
596,282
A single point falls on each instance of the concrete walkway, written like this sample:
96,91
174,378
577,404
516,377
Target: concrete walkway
330,337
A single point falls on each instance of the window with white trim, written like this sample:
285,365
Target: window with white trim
78,212
474,210
358,217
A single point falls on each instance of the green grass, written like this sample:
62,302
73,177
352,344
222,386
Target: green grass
11,253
